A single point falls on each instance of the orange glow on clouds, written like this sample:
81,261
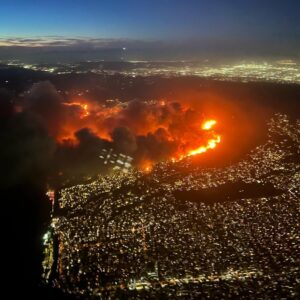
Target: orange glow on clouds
173,127
83,107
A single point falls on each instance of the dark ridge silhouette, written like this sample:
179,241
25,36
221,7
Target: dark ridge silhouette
228,192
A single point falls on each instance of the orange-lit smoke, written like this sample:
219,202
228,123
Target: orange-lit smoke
84,112
211,143
152,131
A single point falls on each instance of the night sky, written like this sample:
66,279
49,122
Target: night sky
272,23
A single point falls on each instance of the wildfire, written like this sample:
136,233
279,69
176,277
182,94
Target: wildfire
211,143
207,125
156,130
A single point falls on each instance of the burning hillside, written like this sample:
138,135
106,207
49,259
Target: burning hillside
149,131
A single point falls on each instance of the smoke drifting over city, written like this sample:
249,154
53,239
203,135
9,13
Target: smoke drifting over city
61,134
71,132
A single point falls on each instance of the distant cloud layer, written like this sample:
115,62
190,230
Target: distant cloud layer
53,41
60,42
15,47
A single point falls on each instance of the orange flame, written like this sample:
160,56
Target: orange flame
211,144
207,125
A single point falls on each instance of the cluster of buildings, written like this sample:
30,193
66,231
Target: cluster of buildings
130,234
286,71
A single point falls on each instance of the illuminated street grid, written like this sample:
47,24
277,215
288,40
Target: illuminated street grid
127,234
286,71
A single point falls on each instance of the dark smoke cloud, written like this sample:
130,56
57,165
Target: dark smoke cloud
141,117
80,160
135,116
124,140
26,156
26,148
154,147
44,101
147,131
6,105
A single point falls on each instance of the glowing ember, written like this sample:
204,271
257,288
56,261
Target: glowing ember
147,166
208,124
